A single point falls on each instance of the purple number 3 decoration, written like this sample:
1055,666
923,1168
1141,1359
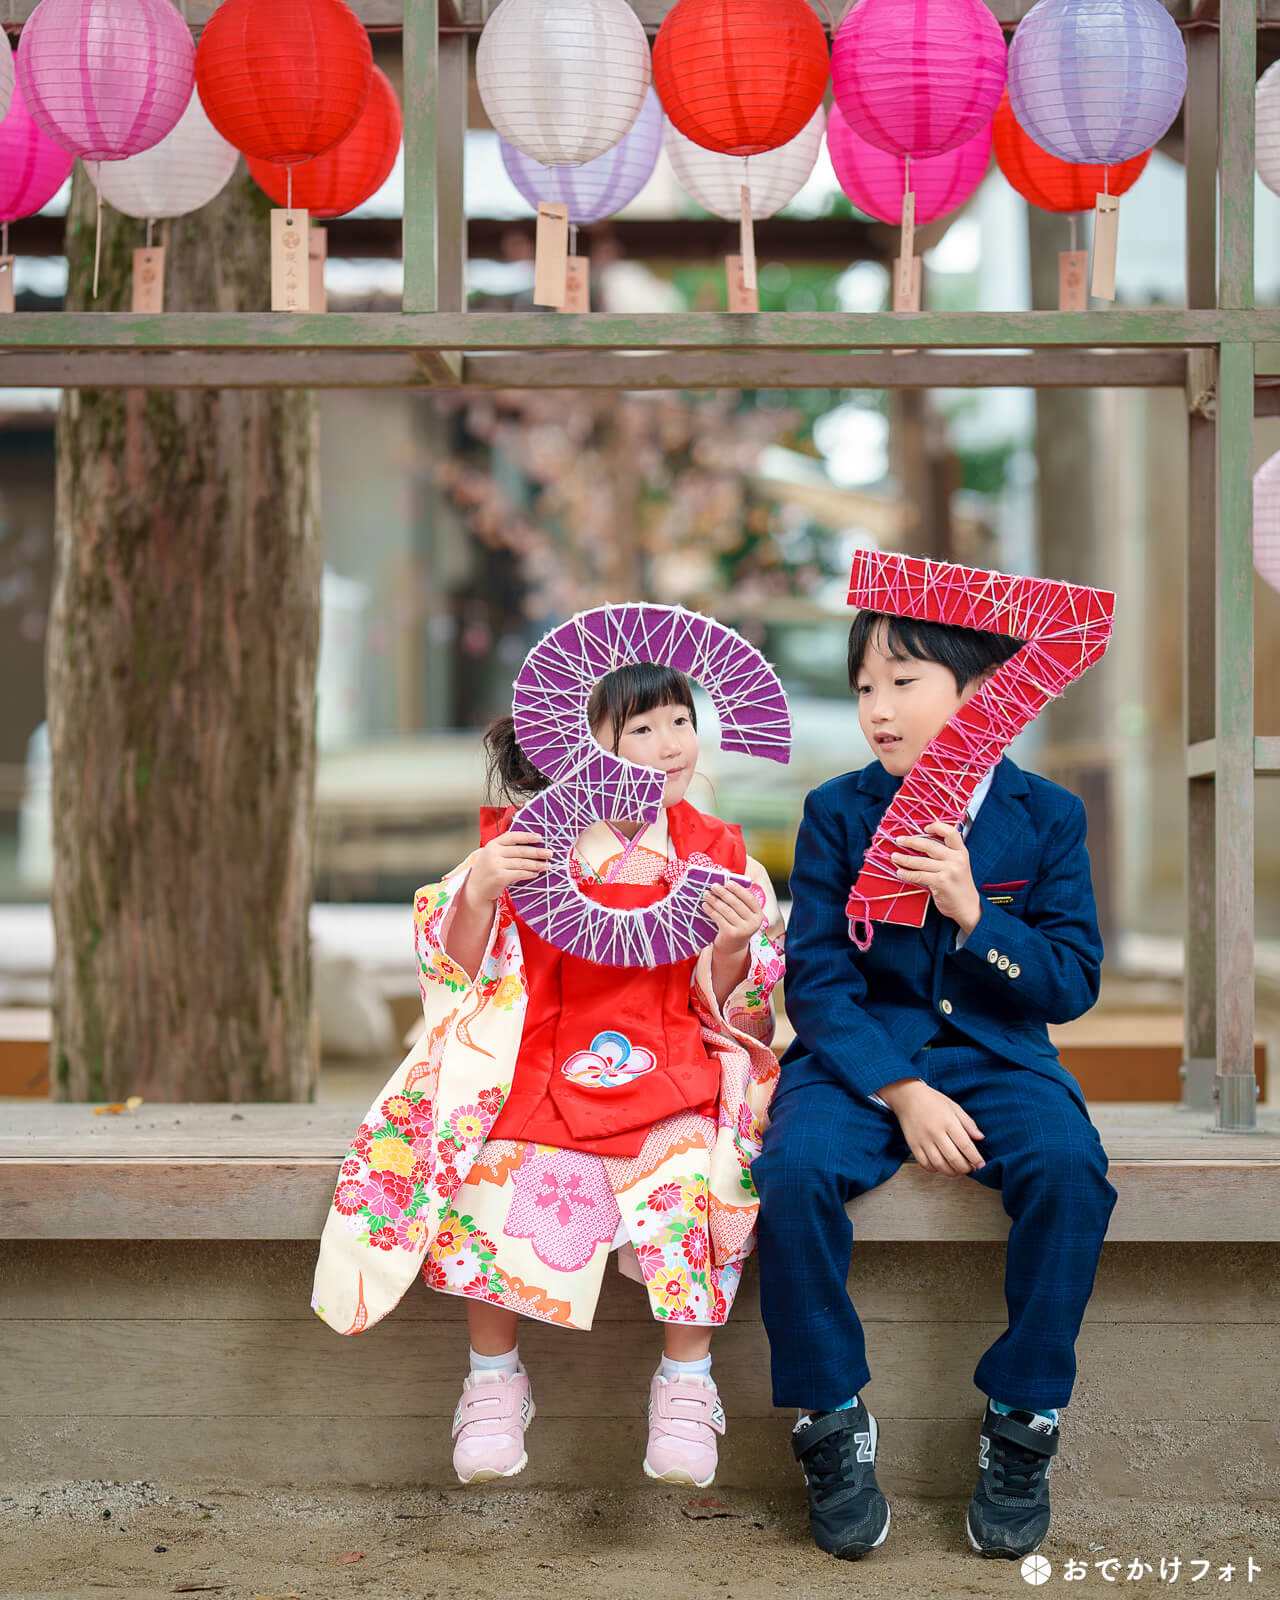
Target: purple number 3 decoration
589,784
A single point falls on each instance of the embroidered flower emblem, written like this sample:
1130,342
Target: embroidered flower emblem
650,1258
451,1238
468,1124
349,1198
387,1194
694,1245
398,1108
695,1198
411,1232
491,1101
671,1286
390,1153
611,1063
665,1197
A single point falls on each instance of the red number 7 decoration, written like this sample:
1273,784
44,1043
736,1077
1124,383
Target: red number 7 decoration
1066,628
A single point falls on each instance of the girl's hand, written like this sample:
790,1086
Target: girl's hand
736,913
510,858
940,1132
941,865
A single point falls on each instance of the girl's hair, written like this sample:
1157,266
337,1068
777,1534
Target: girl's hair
966,652
625,692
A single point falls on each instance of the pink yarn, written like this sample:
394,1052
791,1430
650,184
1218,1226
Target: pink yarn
1066,628
106,79
32,167
918,77
874,180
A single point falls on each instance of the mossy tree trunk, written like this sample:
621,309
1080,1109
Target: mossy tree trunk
181,673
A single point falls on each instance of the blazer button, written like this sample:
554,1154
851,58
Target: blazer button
1015,971
945,1007
993,956
1003,963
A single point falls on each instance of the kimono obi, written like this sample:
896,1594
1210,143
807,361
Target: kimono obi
606,1052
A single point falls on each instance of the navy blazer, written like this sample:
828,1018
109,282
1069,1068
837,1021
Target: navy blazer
1034,957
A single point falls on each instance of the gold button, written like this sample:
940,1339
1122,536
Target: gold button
945,1007
1003,963
1015,971
993,956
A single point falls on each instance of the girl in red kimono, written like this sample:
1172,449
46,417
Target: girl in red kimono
555,1109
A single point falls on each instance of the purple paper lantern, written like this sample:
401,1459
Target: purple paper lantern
106,79
32,167
918,77
874,180
1097,80
589,783
598,188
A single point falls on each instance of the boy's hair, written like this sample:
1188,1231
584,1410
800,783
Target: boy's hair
621,694
967,653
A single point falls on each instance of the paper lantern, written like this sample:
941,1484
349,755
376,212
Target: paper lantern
741,76
1097,80
284,80
189,166
106,78
32,167
6,73
1048,183
874,180
1267,128
344,177
563,80
598,188
1266,521
715,181
918,77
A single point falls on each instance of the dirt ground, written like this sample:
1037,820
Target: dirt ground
103,1540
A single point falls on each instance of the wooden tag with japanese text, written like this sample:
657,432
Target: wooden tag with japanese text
6,283
1106,235
551,254
290,268
1073,276
317,252
148,279
907,279
577,284
740,297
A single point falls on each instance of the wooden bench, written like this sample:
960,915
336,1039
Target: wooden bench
157,1320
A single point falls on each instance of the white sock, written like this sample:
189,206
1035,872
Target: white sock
490,1368
671,1370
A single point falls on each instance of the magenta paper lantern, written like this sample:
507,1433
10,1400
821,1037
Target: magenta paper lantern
32,167
106,79
918,77
874,180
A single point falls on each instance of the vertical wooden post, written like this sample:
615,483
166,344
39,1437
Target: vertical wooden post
421,109
1200,987
451,137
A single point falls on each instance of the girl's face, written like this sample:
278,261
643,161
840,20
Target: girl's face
664,738
904,704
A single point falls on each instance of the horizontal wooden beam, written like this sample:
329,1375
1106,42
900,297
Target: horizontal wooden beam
1202,758
749,369
694,330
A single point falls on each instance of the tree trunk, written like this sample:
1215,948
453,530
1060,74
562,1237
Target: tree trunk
181,674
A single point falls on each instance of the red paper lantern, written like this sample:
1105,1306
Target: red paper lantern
284,80
741,76
344,177
1047,182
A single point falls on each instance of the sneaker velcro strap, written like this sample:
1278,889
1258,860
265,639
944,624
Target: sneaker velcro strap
1004,1427
823,1427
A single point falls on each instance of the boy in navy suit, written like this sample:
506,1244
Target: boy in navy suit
933,1043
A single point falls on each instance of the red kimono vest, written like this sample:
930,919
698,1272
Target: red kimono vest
607,1051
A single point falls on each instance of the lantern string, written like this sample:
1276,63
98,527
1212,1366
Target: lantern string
573,238
4,239
1106,180
288,188
151,223
97,235
1073,220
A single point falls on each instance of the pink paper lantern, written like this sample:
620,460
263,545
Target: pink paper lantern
106,79
32,167
874,180
918,77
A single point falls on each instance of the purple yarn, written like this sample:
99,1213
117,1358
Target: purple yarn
598,188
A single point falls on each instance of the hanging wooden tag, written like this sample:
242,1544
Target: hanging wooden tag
740,298
747,242
148,279
577,284
317,253
907,278
290,270
908,226
6,283
551,254
1073,276
1106,234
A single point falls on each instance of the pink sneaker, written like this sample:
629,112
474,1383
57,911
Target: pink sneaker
489,1424
685,1415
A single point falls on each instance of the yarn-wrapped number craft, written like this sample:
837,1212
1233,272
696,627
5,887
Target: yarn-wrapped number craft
1066,628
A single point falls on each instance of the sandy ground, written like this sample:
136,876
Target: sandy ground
103,1540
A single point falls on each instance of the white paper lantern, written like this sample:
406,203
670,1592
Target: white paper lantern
1266,521
190,165
563,80
6,75
715,181
1267,122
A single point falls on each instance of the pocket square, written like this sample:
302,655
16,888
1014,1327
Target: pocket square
1021,883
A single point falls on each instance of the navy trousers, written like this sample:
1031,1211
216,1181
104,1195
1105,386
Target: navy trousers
824,1146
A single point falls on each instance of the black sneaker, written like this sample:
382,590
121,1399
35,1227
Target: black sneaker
837,1449
1009,1512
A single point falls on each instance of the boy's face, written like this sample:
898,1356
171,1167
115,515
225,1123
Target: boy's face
903,704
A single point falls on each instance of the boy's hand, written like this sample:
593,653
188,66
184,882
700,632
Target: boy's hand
940,1132
941,865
